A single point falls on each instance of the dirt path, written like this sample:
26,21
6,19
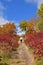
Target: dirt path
25,55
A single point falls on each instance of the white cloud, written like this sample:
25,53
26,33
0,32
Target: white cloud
2,8
19,32
38,2
3,20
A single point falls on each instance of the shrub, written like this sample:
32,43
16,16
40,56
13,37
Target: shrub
35,41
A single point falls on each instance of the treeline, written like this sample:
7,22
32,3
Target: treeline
8,37
33,25
34,33
8,28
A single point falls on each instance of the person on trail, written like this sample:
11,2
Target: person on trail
21,40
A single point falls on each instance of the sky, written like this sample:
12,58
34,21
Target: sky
18,10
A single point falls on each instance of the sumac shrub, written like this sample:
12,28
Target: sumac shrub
35,41
7,41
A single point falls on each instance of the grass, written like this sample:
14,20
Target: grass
6,59
39,62
15,60
10,60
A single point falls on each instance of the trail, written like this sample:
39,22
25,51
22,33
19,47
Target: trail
25,55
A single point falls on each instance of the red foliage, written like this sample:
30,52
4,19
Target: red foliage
35,41
12,40
15,41
5,38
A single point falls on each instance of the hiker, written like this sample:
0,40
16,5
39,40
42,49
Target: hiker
20,40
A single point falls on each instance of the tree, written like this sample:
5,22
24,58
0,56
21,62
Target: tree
40,12
23,25
1,30
40,25
9,28
31,26
40,15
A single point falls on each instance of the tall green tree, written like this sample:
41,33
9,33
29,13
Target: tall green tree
40,15
40,26
40,12
23,25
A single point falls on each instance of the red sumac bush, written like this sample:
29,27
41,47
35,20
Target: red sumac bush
35,41
8,40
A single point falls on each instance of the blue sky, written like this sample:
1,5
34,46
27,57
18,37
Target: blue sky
18,10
